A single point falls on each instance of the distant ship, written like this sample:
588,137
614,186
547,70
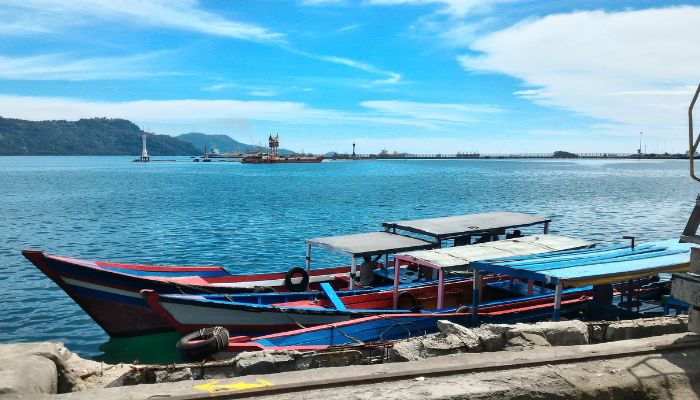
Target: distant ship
273,156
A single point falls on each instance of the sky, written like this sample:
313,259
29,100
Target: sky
420,76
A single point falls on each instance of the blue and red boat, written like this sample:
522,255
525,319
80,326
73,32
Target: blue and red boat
109,291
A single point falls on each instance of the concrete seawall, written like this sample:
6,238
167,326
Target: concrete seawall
558,355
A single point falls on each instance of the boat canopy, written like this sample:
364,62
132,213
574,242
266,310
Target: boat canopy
588,266
365,244
470,224
370,244
460,258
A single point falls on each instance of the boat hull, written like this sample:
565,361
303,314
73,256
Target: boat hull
189,313
281,160
109,292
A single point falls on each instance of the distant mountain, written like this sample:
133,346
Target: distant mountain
94,136
224,143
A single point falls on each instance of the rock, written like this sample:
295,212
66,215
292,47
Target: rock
490,341
694,320
469,339
640,328
564,333
30,368
686,288
406,350
265,362
175,375
596,331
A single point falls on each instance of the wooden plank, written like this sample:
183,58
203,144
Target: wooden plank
333,297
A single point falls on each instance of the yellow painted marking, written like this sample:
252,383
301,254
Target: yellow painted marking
213,386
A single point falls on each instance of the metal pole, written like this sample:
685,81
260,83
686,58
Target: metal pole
476,285
386,261
308,257
546,227
396,283
692,146
441,288
353,269
557,302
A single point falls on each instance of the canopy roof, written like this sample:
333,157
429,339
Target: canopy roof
372,243
458,258
595,266
459,225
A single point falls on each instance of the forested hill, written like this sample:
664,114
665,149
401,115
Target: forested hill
95,136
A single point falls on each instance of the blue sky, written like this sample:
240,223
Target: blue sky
407,75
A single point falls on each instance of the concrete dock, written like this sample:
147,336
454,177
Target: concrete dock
655,367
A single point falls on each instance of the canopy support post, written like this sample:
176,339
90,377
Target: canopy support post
441,288
308,257
396,283
353,272
557,302
475,296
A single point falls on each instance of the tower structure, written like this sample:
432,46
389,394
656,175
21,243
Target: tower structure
353,151
274,142
144,152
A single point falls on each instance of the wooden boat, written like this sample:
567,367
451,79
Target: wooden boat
109,291
187,313
394,326
580,270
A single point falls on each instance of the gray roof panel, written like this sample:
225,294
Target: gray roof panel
458,225
371,243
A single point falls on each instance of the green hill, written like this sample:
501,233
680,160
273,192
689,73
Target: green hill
94,136
224,143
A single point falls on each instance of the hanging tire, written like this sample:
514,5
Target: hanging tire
406,301
296,287
200,344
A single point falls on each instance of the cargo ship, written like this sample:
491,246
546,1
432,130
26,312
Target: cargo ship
273,156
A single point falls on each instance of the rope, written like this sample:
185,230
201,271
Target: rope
288,316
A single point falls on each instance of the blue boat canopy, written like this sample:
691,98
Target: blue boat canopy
594,266
588,266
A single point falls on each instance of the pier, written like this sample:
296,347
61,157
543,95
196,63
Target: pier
504,156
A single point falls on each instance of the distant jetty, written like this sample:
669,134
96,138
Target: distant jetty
459,156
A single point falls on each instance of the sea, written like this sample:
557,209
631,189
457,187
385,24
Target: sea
254,218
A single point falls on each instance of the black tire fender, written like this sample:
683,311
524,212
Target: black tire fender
406,297
202,343
296,287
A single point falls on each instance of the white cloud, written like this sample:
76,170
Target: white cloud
52,15
263,93
423,116
390,76
635,68
63,67
457,8
435,112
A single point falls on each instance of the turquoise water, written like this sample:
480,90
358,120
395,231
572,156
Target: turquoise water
252,218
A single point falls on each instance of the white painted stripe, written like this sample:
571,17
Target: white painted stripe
100,288
196,315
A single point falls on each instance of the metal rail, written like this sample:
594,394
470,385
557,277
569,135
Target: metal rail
693,146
